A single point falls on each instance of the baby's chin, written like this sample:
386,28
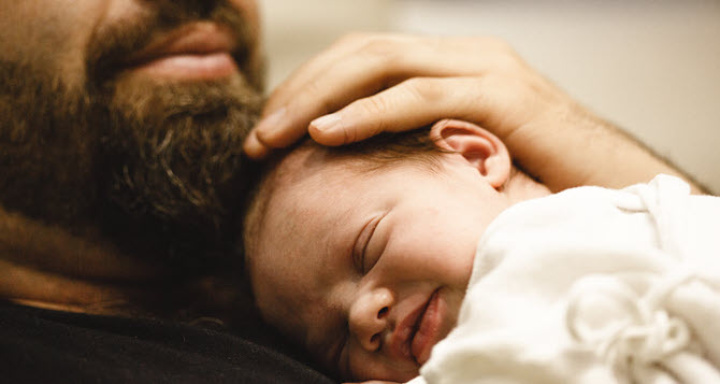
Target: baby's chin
392,372
394,377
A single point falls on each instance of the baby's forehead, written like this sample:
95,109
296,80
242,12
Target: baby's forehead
313,166
305,173
310,173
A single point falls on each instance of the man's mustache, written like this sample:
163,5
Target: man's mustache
112,44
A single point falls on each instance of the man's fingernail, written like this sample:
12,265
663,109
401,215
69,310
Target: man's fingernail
253,148
271,122
329,122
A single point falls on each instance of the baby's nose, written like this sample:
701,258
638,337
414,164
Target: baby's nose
368,318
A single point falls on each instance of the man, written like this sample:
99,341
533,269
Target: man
121,126
120,139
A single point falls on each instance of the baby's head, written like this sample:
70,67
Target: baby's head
362,254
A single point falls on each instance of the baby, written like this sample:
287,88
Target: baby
368,257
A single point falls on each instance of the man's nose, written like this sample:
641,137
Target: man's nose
368,317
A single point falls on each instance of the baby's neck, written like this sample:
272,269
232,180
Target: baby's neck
521,187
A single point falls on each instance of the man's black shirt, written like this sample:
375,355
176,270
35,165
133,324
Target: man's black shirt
40,346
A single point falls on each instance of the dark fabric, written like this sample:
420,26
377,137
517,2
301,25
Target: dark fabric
39,346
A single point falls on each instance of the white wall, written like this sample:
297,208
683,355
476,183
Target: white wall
652,67
295,30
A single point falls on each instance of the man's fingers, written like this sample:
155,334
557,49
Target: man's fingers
254,148
354,51
409,105
313,69
353,70
362,65
501,102
290,122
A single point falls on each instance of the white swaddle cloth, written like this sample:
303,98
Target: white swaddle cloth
592,286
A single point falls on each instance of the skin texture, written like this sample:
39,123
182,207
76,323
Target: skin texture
340,272
122,122
368,83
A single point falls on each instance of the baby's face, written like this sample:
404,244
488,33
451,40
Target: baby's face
367,270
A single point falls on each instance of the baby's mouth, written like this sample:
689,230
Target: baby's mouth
419,331
427,329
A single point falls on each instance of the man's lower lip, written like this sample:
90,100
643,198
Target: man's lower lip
429,329
190,67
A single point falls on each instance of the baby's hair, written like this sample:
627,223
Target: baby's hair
387,148
371,155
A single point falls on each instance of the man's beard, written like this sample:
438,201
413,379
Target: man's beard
175,156
157,168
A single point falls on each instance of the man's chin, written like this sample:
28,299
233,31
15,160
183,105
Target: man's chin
167,88
175,152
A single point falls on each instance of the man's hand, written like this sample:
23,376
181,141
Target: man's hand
381,83
366,84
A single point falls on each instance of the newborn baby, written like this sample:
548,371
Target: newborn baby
368,257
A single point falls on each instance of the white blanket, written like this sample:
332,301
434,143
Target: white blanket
592,286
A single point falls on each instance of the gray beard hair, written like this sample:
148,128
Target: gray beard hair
158,169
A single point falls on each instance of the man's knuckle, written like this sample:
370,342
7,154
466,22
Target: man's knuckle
315,91
495,81
425,89
386,46
378,46
377,106
496,43
500,54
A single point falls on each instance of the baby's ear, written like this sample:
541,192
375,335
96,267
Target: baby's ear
483,150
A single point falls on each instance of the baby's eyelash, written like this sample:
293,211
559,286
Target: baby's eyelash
364,251
371,231
358,252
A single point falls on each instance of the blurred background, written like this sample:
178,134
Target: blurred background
650,66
